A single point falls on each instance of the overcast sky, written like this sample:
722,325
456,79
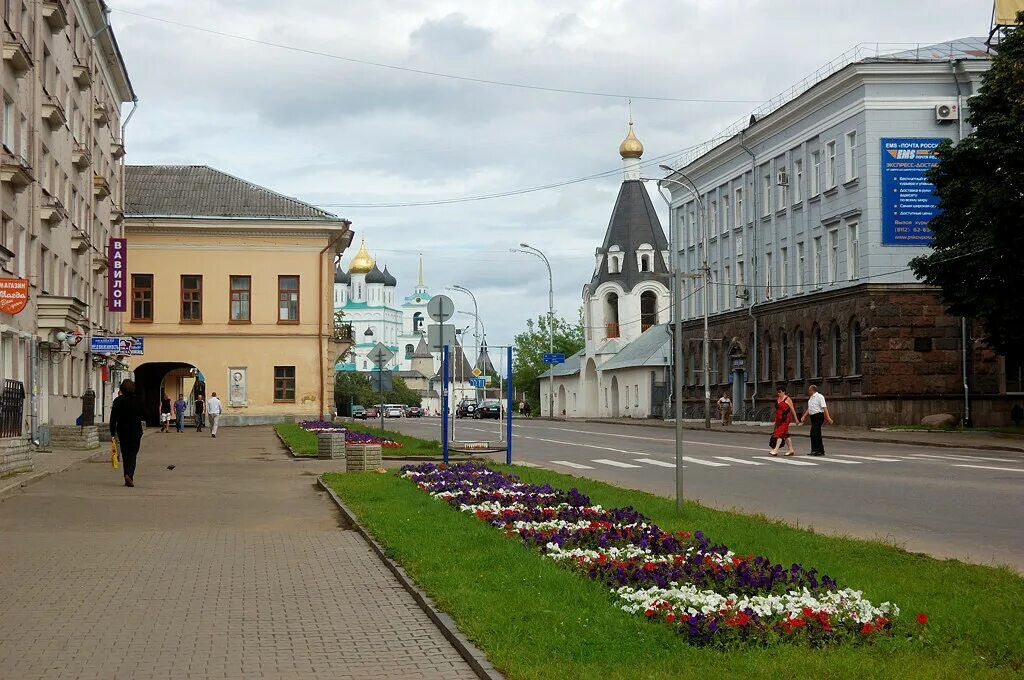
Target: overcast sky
341,134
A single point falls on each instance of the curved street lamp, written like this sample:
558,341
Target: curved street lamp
530,250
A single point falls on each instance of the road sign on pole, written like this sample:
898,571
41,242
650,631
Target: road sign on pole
441,308
440,335
554,358
478,382
380,354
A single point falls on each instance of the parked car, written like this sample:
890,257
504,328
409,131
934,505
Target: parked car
414,412
371,412
359,412
489,409
393,411
465,408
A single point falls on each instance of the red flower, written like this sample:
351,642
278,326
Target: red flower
649,612
670,618
649,566
867,629
882,622
922,618
808,612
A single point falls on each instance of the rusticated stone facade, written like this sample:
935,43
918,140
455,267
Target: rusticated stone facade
881,354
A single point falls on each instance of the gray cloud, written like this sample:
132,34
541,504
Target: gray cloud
450,36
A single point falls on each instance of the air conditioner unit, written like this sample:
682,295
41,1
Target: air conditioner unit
944,112
782,179
742,292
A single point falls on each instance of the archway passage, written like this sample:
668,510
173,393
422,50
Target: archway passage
152,380
590,389
615,397
560,402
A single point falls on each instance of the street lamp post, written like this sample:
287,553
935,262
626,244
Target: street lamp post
476,313
551,322
706,270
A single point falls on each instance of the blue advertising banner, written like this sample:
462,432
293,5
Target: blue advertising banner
908,198
117,345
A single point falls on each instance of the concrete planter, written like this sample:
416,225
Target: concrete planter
331,445
74,437
362,457
15,456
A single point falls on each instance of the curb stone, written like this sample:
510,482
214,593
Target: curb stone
466,649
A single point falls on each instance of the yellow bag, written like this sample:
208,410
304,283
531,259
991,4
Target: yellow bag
113,453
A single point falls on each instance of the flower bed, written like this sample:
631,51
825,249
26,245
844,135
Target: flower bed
351,437
706,592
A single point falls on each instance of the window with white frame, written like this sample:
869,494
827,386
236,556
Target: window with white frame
830,164
766,195
851,155
726,285
800,267
712,296
783,271
739,243
739,208
768,276
817,262
852,251
701,226
692,231
815,187
833,255
713,219
741,283
7,129
783,189
726,223
798,179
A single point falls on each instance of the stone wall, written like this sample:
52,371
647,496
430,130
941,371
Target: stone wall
15,456
74,437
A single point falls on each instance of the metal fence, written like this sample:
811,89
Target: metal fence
12,409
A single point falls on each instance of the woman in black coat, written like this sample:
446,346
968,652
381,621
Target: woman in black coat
126,425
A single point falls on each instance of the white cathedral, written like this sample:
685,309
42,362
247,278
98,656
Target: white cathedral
623,368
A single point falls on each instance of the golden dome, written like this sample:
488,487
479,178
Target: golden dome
362,263
631,146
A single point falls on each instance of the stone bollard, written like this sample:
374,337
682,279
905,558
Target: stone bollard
362,457
331,445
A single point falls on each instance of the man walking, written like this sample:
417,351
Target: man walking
725,408
817,410
213,410
179,413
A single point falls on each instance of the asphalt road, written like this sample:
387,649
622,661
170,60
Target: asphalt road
961,503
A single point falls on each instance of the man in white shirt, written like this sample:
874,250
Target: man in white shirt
213,409
817,409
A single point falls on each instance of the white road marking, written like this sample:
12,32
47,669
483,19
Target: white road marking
701,461
567,463
790,461
828,459
589,446
614,463
651,461
958,458
525,464
651,439
988,467
739,460
876,458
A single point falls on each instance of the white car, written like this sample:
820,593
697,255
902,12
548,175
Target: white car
393,411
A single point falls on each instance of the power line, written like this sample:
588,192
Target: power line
435,74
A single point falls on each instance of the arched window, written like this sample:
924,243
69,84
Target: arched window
816,353
835,351
783,356
855,367
648,309
408,351
417,322
798,358
611,315
766,359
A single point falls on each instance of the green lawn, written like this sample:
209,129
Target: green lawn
304,443
535,619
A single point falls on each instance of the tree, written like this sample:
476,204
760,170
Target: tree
401,394
352,388
530,347
978,236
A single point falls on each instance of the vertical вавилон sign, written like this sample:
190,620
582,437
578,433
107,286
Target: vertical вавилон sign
908,198
117,275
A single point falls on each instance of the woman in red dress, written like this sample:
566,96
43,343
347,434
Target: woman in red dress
785,413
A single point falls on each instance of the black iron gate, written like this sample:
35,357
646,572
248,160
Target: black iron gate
659,394
12,409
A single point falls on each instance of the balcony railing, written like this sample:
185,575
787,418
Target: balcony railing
12,409
342,332
101,187
51,210
17,53
55,14
100,114
53,111
81,73
15,170
80,156
612,331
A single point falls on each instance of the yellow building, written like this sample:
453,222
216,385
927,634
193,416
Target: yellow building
231,291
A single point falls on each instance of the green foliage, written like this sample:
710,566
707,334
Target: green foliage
401,394
975,257
530,347
535,619
301,442
304,443
356,388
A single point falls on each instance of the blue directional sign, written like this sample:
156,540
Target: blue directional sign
99,344
556,358
478,382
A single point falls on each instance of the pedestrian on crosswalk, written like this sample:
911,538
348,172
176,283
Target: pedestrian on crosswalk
817,411
785,413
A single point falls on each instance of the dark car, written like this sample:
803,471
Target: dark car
465,409
359,412
489,409
414,412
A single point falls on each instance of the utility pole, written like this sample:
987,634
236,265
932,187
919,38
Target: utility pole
551,322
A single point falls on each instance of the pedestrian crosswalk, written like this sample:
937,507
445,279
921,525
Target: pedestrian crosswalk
840,459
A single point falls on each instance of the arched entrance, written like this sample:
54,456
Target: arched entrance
615,396
561,400
590,389
154,379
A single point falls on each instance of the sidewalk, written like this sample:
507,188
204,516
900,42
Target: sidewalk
992,441
47,463
231,565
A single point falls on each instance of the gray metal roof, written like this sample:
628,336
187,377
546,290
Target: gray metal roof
202,191
650,349
634,222
570,367
962,48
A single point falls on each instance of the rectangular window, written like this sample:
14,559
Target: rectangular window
766,195
817,262
726,223
7,129
241,299
833,255
739,208
852,252
287,299
739,243
44,282
767,276
727,286
692,231
798,180
741,284
800,264
830,164
815,187
713,218
284,383
783,271
712,297
851,155
783,189
191,298
142,297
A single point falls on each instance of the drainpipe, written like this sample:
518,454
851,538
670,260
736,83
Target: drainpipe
954,64
753,261
320,310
